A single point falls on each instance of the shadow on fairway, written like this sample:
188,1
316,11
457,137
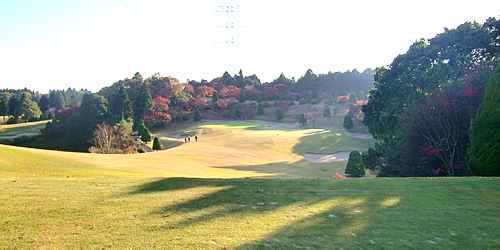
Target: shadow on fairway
281,213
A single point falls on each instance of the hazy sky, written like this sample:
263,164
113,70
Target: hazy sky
90,44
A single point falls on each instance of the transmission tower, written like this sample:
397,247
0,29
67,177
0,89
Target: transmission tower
229,10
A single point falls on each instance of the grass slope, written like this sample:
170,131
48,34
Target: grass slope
29,127
249,213
224,150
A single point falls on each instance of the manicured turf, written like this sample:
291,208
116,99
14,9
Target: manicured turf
29,127
60,199
180,212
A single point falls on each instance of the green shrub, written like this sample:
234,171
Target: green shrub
302,119
156,144
197,115
328,102
260,109
146,136
265,104
348,124
302,101
279,114
354,167
314,101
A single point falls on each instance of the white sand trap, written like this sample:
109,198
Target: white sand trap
18,135
324,158
362,136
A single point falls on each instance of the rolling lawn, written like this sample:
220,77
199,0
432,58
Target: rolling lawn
197,194
29,127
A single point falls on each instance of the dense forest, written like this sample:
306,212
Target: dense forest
423,106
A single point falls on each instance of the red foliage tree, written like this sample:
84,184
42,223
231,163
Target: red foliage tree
194,103
272,93
355,110
324,96
224,92
204,91
67,112
222,104
343,99
234,91
293,96
188,88
253,93
158,115
160,104
217,86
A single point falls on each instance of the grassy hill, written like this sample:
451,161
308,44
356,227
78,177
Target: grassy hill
187,196
29,127
224,150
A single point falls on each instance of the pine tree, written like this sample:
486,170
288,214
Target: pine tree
215,96
146,136
141,128
156,144
122,107
485,146
143,102
279,114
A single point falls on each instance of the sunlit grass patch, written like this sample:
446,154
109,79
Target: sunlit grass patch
249,213
29,127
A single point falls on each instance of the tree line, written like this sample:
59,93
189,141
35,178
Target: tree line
423,110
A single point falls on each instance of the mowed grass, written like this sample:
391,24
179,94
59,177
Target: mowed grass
60,199
224,150
29,127
249,213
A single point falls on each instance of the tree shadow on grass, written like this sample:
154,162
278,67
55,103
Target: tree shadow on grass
258,212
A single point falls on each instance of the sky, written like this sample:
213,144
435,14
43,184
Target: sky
56,44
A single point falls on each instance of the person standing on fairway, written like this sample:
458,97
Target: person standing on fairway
196,138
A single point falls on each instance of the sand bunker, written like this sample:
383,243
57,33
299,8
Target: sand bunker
174,135
18,135
326,158
362,136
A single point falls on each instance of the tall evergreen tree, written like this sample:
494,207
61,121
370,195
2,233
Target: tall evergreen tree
146,136
122,107
156,144
485,140
13,104
215,96
4,108
144,102
80,127
44,103
28,108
